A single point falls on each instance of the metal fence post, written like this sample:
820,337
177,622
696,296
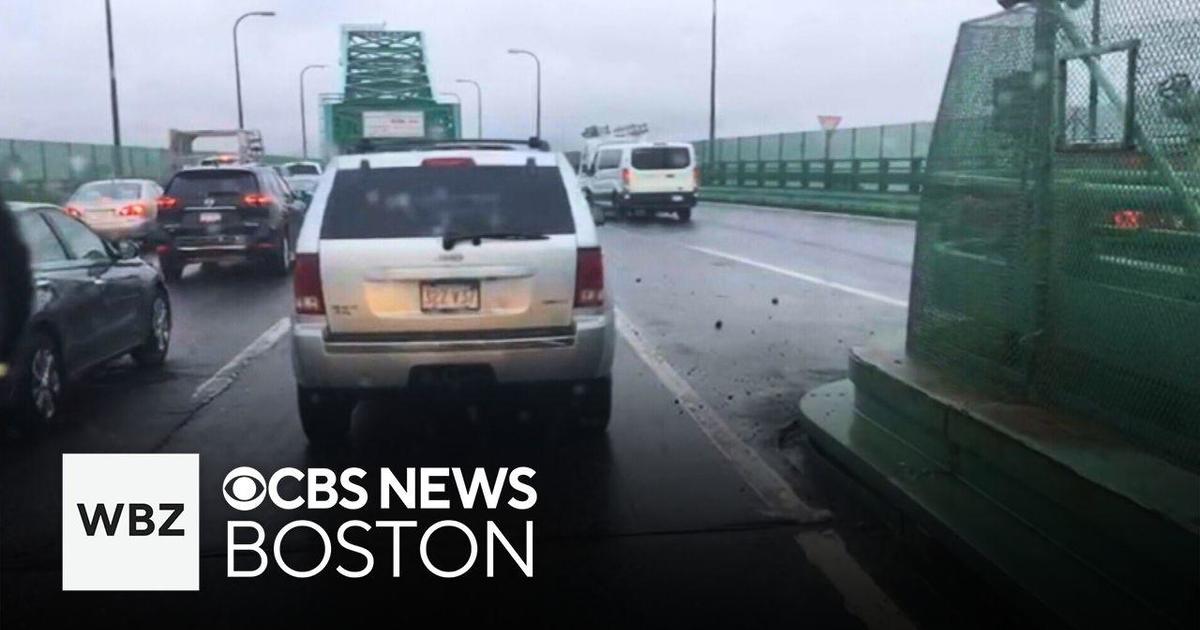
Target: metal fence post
782,165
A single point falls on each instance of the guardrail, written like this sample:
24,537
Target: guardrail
855,175
36,170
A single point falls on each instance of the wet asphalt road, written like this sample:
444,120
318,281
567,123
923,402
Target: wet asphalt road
749,308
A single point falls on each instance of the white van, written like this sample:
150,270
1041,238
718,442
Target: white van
644,177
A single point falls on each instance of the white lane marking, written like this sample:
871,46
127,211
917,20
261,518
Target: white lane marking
825,549
871,295
219,382
774,491
862,597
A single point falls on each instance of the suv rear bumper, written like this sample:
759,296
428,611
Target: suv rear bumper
220,247
657,201
319,362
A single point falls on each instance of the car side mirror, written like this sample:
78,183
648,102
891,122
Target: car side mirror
127,250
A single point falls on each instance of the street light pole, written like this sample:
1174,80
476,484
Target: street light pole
303,116
112,89
478,105
237,65
712,91
519,51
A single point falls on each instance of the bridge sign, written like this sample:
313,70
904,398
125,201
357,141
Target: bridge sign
393,124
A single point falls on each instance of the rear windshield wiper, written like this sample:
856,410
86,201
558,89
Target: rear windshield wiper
449,240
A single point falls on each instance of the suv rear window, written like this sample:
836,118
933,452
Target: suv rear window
661,159
215,183
302,169
435,201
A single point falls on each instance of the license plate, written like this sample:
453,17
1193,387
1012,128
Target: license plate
442,297
676,197
210,217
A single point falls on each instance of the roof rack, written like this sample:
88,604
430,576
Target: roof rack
368,145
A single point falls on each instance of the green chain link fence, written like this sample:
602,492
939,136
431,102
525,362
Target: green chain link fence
1058,245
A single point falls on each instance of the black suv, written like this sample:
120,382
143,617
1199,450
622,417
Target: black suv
228,213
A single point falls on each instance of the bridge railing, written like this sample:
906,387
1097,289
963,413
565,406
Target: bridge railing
886,158
36,170
854,175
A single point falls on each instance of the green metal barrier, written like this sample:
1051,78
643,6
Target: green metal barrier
1043,420
888,159
1066,266
33,170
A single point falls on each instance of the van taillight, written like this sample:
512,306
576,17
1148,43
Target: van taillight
626,176
696,176
589,277
310,299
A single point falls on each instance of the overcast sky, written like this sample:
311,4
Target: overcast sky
781,62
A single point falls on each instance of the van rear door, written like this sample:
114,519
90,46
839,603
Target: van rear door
661,169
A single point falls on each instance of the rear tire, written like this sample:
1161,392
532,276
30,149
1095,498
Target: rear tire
40,389
284,257
684,215
324,418
153,352
621,211
172,268
594,410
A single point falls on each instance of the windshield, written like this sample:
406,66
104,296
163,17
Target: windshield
303,185
107,191
302,169
660,159
430,201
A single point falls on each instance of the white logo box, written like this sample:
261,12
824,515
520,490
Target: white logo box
121,562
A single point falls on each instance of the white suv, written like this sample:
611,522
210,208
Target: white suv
449,267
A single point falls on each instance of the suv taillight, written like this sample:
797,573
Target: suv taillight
589,277
256,200
626,176
310,299
167,203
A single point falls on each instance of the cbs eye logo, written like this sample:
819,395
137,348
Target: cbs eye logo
244,488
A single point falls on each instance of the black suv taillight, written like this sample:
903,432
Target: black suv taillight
310,298
589,277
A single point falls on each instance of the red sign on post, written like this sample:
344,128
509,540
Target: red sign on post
829,123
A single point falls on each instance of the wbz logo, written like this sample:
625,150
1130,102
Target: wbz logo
131,523
141,519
